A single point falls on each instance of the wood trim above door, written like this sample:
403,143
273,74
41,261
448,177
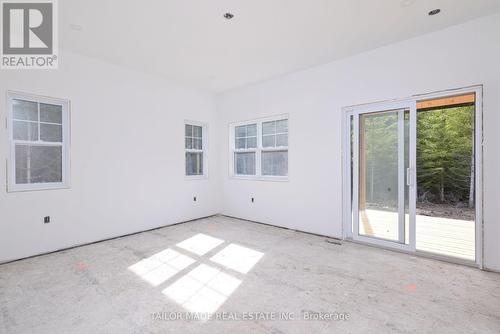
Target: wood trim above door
447,101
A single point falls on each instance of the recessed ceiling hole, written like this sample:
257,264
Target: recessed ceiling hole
434,12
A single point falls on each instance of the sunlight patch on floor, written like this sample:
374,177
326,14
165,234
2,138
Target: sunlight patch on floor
200,244
238,258
161,266
206,287
203,290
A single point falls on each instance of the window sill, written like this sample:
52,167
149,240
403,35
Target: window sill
36,187
195,177
260,178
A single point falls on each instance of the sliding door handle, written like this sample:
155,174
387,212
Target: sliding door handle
408,177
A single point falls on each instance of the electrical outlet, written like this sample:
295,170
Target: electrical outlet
46,219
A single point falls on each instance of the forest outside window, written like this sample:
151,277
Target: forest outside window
39,138
260,149
195,150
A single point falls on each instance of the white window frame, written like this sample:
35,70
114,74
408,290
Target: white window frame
204,150
11,161
258,150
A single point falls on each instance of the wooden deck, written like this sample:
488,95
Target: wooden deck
443,236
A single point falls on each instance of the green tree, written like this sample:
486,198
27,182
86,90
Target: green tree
444,154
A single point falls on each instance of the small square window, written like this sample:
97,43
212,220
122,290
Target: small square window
244,163
246,136
50,113
275,163
25,110
275,133
194,163
25,130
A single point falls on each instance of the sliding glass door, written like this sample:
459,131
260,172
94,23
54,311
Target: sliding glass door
446,176
382,179
413,175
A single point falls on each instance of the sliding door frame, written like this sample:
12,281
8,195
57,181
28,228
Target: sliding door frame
353,112
392,106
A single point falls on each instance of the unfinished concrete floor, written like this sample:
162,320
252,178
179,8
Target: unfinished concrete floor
135,284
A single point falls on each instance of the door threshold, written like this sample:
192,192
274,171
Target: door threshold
422,254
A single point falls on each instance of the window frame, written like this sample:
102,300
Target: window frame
12,186
258,150
246,149
204,150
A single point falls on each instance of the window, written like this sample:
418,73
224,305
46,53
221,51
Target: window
245,149
39,137
275,148
195,147
260,149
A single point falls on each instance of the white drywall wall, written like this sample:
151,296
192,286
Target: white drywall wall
127,141
311,201
127,158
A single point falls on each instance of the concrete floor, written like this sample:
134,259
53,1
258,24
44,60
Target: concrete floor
214,265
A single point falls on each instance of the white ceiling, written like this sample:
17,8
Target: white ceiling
190,41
